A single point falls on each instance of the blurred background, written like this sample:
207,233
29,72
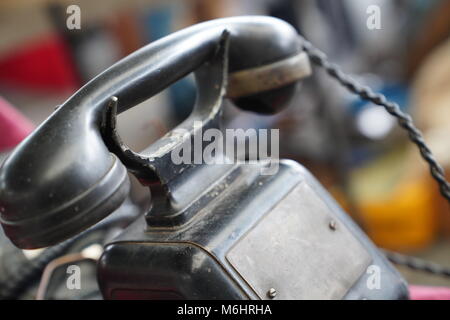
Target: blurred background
398,47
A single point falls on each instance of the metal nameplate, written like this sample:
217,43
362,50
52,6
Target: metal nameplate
299,250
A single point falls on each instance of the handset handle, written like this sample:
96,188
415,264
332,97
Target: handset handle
63,179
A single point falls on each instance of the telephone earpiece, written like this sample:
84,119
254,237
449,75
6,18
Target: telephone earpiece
63,178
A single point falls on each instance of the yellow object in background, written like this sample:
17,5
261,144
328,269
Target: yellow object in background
405,221
396,204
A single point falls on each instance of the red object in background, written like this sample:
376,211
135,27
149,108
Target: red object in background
43,64
13,126
429,293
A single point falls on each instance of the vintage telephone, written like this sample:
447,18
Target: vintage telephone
221,231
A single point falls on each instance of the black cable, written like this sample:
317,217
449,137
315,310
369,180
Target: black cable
417,264
404,120
27,273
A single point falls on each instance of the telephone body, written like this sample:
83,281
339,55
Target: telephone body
213,231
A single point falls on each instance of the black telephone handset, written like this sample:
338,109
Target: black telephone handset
221,231
63,178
